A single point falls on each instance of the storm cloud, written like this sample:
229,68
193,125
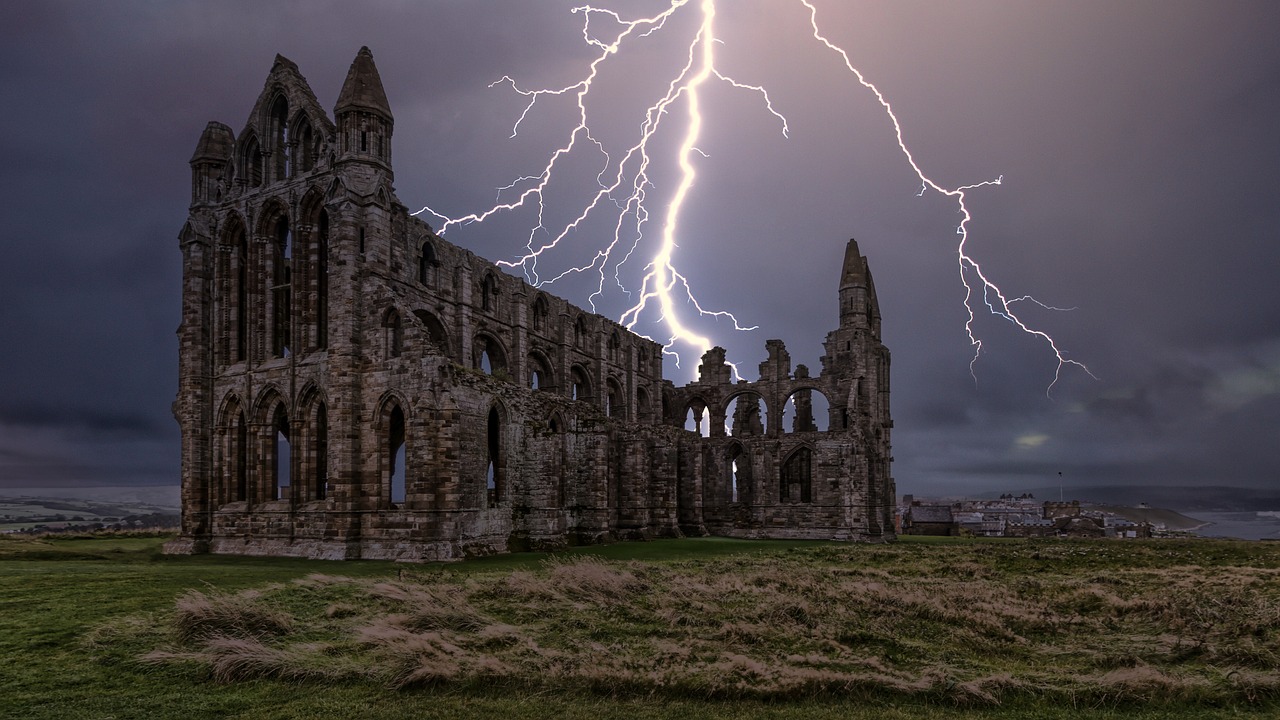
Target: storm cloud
1136,140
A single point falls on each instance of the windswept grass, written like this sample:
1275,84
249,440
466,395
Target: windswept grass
707,627
960,624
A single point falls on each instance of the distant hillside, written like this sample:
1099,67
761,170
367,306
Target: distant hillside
1156,516
167,497
1184,498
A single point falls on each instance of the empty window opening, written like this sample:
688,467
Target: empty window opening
282,290
806,411
361,241
539,372
425,263
322,453
394,331
241,455
493,467
613,405
488,293
488,357
797,481
695,419
322,280
242,297
282,467
642,404
739,474
253,163
280,138
539,314
396,471
579,388
435,329
746,415
305,147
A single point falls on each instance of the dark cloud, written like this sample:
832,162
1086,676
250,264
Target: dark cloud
1136,142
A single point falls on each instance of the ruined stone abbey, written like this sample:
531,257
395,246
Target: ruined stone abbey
353,386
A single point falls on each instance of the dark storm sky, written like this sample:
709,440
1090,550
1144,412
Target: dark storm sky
1138,142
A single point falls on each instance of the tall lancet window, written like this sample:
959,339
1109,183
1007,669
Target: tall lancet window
282,290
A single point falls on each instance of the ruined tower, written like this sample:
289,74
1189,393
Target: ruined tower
353,386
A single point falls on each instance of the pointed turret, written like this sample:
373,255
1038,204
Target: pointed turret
858,305
854,272
215,144
363,115
362,89
209,163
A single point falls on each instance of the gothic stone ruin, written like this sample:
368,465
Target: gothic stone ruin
353,386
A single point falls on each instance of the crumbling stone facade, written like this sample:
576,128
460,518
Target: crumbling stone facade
353,386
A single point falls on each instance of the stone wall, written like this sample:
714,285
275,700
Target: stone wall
351,385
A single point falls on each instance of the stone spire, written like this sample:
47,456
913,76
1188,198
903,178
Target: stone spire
363,88
215,144
854,273
858,304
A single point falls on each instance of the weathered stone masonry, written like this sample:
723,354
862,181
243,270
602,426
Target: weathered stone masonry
353,386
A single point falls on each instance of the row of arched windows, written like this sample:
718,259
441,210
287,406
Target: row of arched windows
286,148
272,298
272,457
795,478
746,413
269,456
489,356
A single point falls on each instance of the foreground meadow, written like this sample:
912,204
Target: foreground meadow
696,628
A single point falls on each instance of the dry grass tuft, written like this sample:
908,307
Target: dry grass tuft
241,615
962,625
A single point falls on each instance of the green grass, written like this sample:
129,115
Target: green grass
1192,617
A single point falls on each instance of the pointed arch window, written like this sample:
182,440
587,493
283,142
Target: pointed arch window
738,470
495,480
539,372
643,405
539,314
281,455
253,163
579,384
796,483
393,330
614,406
234,469
426,264
279,149
282,289
488,355
489,293
396,460
234,294
435,332
304,146
322,280
321,450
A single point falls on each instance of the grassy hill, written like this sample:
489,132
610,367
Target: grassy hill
690,628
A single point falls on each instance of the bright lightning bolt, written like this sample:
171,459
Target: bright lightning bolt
623,184
1000,306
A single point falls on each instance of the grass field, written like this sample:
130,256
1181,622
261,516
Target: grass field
109,628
